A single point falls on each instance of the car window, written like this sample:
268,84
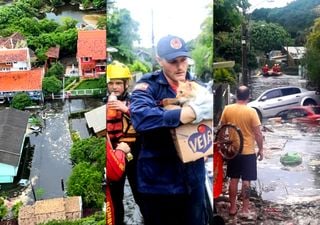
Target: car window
290,91
272,94
316,110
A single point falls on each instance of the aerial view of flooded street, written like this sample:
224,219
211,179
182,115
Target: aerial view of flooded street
51,164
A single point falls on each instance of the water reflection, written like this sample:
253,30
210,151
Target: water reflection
70,11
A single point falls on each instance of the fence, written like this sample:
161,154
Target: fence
78,93
221,98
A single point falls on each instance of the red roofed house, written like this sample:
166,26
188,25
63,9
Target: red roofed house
29,81
16,40
14,59
91,53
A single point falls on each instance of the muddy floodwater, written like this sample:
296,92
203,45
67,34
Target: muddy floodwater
283,194
287,184
290,184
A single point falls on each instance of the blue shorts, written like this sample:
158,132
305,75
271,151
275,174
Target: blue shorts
243,166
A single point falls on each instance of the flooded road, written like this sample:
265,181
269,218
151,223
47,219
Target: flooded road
51,164
288,184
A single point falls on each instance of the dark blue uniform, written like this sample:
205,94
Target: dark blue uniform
163,179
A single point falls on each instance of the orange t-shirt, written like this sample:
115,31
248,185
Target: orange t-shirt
245,118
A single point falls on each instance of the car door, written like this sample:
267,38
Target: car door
291,96
271,102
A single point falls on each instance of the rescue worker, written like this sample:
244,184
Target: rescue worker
116,164
171,192
265,69
119,130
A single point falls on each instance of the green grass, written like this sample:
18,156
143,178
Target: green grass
88,84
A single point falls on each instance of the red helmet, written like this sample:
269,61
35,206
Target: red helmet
116,162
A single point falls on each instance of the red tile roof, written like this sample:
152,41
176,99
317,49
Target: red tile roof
13,41
13,55
53,52
29,80
92,43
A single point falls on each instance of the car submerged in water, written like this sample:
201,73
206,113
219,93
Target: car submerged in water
301,114
275,100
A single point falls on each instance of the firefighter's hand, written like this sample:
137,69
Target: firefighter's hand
123,147
202,107
187,115
118,105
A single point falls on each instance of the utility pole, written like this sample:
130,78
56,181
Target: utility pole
153,46
244,35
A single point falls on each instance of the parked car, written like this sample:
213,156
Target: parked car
275,100
301,114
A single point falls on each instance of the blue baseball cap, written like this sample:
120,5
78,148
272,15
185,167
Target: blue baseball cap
171,47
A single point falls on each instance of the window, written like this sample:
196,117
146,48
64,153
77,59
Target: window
273,94
290,91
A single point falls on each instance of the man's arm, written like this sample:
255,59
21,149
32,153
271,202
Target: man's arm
259,139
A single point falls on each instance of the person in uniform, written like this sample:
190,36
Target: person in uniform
119,129
171,192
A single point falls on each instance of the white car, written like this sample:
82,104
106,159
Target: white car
272,101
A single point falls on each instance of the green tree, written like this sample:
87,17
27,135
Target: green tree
3,209
21,100
312,58
227,14
268,36
51,84
91,150
86,181
122,32
139,66
102,23
203,48
297,16
56,70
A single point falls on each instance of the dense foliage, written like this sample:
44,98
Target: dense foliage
3,209
89,159
121,33
91,150
202,52
96,219
21,100
265,37
297,17
51,85
312,58
86,181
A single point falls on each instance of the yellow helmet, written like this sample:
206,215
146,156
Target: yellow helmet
117,70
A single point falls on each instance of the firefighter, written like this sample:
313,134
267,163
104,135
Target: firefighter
119,130
115,170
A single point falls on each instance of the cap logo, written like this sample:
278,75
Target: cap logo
175,43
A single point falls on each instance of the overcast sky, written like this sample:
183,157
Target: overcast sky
268,3
177,17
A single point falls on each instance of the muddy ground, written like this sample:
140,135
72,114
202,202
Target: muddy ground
287,195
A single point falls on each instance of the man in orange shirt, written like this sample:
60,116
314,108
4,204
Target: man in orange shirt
244,165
